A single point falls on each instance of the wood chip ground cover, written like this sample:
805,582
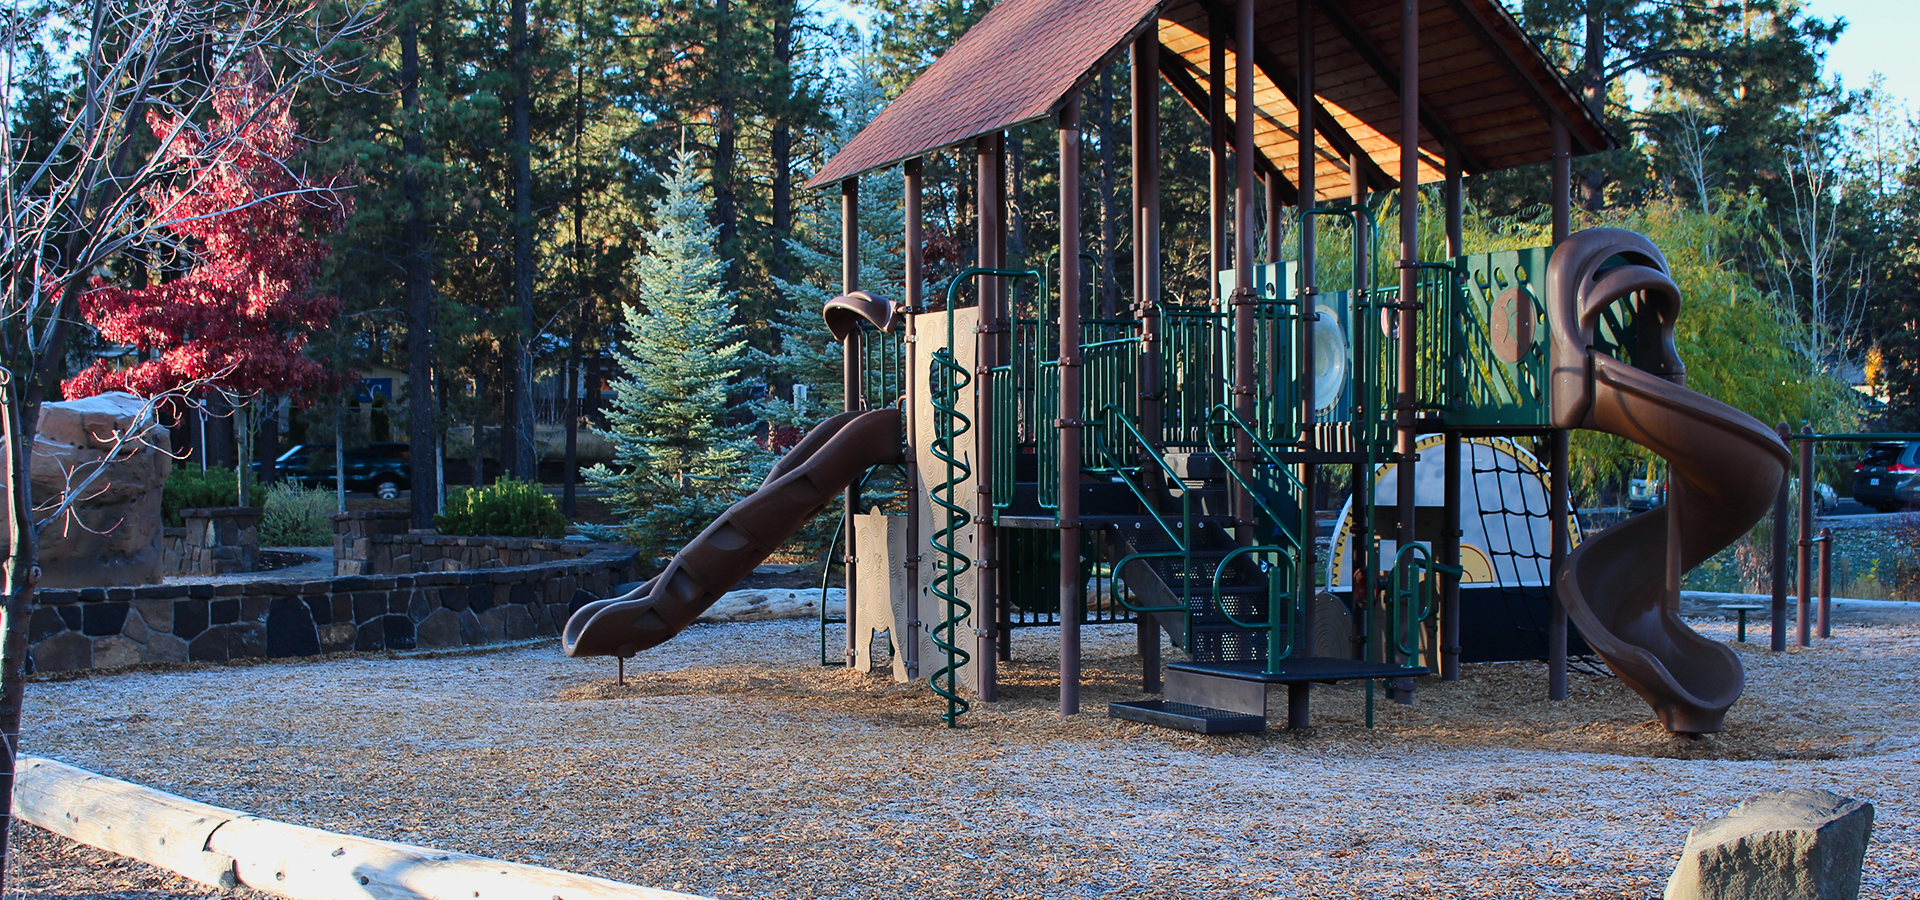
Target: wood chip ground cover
733,765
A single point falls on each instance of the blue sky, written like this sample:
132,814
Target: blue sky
1879,38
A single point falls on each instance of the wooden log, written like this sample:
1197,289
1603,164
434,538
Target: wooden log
230,848
148,825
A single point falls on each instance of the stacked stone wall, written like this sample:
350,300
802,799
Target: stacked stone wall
104,628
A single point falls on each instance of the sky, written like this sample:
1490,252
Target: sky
1879,39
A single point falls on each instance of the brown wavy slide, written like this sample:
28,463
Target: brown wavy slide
1621,587
833,455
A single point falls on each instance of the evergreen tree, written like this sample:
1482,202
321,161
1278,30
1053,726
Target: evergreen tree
682,462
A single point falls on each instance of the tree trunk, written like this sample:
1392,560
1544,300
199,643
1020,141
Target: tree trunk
422,423
726,206
22,567
569,467
781,141
520,385
1593,182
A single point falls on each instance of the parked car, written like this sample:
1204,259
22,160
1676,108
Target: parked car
383,468
1646,493
1888,477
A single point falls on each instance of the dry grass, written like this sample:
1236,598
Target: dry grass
733,765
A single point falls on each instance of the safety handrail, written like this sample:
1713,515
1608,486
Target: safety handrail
1277,580
1273,460
1113,414
1415,598
1117,596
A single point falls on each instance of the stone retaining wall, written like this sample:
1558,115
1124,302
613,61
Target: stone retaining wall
103,628
399,554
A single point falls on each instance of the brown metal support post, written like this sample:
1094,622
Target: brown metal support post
1308,582
1217,158
1275,221
1450,555
1243,296
1361,475
1403,416
850,371
1826,583
1000,337
914,253
1456,206
1146,218
1777,610
1560,509
1803,575
986,610
1561,203
1071,584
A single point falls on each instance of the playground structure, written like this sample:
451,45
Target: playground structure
1172,456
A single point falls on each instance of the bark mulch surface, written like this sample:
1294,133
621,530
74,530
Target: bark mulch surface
731,764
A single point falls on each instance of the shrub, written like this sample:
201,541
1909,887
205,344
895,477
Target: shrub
509,508
294,516
192,489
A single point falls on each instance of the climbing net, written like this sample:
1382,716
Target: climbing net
1521,561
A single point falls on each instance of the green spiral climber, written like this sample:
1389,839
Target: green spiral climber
947,379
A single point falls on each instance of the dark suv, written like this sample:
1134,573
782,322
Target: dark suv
384,468
1888,478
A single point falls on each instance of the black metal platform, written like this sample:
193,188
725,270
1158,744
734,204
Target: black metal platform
1186,716
1326,669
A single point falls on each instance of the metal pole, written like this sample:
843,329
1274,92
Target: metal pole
1826,583
1146,218
1450,555
850,373
1778,609
1217,161
1456,206
1803,577
1243,294
1309,582
989,223
1403,415
1560,503
1559,509
1274,221
915,255
1562,201
1069,423
850,384
1362,474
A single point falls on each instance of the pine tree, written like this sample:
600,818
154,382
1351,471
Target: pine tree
808,354
681,461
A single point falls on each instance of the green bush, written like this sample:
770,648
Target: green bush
294,516
191,488
509,508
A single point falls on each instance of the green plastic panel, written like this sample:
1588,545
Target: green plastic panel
1500,348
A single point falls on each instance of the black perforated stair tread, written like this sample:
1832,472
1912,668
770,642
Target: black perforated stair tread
1186,716
1301,669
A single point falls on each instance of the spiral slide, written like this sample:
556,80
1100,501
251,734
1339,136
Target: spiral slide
1621,586
807,479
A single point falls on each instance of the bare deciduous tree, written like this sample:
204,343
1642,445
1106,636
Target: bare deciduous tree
77,195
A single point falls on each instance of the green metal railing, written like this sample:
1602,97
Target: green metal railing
882,366
1281,566
1129,468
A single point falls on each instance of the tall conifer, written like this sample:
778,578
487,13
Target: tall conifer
681,461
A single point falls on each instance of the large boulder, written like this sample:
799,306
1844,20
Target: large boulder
1794,844
112,536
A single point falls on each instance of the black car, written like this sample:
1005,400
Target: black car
384,468
1888,478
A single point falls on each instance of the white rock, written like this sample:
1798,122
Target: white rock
763,604
1796,844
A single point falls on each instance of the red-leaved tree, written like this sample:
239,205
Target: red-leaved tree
253,226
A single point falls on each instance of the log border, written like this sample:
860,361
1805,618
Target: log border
229,848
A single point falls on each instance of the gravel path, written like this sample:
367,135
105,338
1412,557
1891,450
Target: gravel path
733,765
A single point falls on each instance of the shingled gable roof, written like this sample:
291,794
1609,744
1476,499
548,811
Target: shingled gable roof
1019,63
1487,94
